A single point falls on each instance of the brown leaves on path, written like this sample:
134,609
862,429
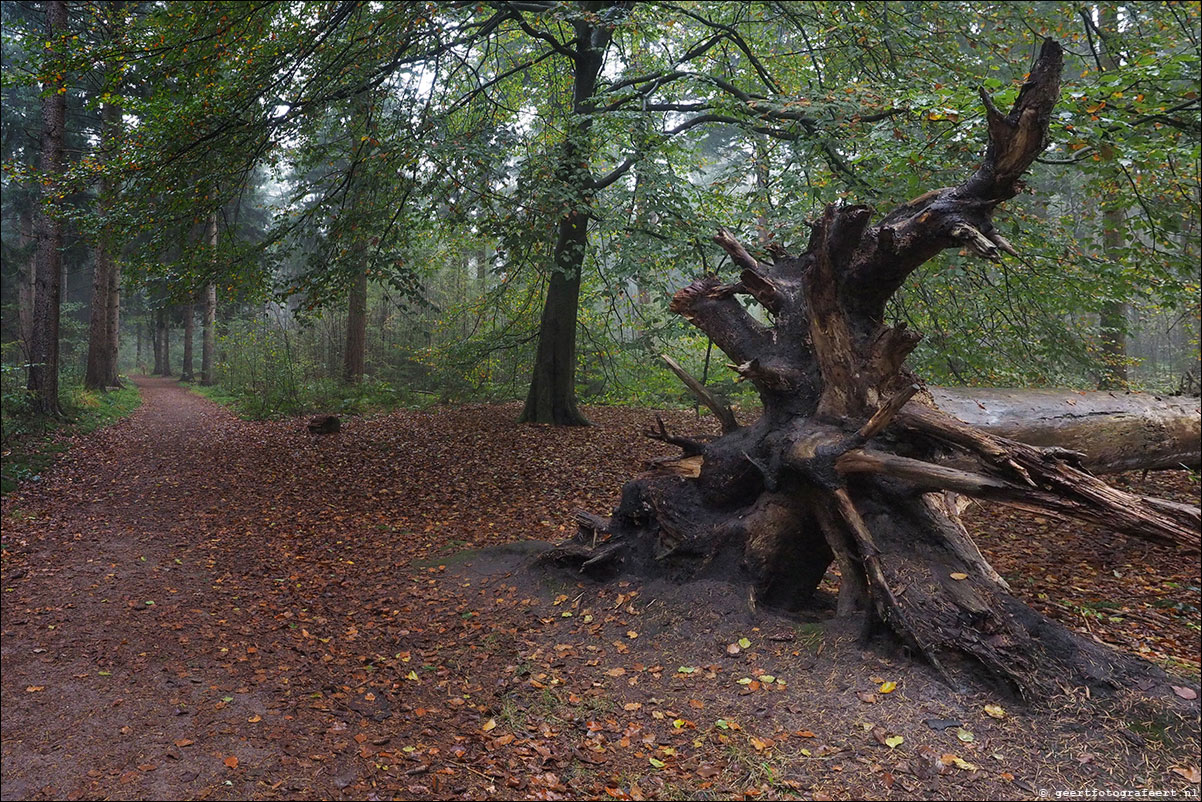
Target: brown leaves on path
258,613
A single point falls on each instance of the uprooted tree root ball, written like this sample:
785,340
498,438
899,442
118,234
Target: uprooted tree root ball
850,461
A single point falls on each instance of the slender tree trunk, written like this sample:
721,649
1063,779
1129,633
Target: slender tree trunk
189,310
156,344
166,341
101,368
552,394
43,368
26,282
97,372
1113,318
209,334
356,330
160,364
113,340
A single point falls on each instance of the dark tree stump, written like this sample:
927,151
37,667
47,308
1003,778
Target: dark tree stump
325,424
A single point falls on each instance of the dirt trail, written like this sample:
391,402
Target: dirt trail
184,577
91,652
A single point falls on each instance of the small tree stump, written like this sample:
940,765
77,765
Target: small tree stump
325,424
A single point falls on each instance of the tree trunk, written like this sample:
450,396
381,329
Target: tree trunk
356,331
43,360
1113,431
97,370
160,342
1112,322
850,461
552,394
26,283
101,368
113,379
189,310
209,335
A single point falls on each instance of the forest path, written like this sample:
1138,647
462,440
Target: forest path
104,666
186,577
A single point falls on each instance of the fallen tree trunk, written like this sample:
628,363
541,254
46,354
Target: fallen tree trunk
1115,431
851,463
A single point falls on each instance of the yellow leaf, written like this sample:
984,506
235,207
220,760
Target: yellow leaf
489,725
958,576
888,687
995,711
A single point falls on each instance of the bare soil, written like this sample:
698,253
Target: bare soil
197,607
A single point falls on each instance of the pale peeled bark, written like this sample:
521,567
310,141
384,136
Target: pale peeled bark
1115,430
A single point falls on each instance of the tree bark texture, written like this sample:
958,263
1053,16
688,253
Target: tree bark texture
162,343
26,281
1113,431
552,394
186,369
208,347
101,370
851,463
353,355
48,263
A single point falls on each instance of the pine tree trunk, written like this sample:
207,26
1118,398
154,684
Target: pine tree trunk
189,310
209,334
43,362
101,370
851,463
113,341
353,356
96,371
26,282
159,341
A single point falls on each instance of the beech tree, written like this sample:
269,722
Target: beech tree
850,461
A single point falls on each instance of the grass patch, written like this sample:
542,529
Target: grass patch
251,402
32,443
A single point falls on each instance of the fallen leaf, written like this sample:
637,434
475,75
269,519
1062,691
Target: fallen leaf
888,687
489,725
965,735
231,761
893,741
959,576
995,711
1185,693
1191,773
184,742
